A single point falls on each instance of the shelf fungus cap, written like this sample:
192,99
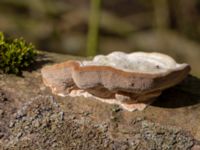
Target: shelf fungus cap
132,78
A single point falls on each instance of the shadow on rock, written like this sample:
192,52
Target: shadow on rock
41,60
187,93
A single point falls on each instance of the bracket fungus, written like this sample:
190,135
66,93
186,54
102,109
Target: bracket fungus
129,80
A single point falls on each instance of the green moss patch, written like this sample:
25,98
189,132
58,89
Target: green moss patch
16,54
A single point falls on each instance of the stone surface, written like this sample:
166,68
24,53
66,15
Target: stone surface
117,78
34,118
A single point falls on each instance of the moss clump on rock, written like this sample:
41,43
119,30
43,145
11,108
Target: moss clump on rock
15,55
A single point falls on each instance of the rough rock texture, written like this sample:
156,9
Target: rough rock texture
33,118
120,78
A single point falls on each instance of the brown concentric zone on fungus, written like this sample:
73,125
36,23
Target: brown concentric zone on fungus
165,78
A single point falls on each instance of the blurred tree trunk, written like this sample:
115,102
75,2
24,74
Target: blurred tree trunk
37,8
187,17
93,28
162,17
162,20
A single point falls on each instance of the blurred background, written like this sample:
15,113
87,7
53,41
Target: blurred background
89,27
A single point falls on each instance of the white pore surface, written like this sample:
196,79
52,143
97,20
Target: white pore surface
128,107
135,62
